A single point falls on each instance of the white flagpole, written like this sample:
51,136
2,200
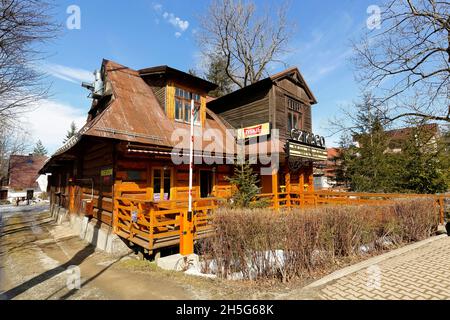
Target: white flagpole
191,157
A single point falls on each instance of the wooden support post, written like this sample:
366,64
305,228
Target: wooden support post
302,183
441,210
186,233
275,189
310,181
71,199
287,181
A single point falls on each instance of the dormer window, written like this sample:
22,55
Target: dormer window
183,106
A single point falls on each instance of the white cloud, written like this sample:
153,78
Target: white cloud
179,24
50,120
176,22
157,7
74,75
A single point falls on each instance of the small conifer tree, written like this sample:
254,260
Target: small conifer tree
245,180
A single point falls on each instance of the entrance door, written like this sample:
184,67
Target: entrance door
206,183
30,194
161,184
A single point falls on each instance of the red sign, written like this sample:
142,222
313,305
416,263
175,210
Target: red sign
255,131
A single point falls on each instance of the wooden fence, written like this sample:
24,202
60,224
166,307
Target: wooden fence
285,200
153,225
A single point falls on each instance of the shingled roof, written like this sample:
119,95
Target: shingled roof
24,170
135,115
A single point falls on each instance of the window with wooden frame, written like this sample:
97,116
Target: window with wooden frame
183,105
161,183
294,116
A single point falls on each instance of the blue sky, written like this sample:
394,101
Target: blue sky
143,33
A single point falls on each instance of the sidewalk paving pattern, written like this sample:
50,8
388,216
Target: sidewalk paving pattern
420,274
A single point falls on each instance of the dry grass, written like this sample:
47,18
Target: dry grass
298,244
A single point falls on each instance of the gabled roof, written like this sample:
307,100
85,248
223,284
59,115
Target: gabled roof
24,170
135,115
292,74
171,73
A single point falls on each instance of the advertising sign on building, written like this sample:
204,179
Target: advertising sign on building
309,152
106,174
254,131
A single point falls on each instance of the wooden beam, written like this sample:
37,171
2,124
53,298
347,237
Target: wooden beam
275,188
287,182
310,181
302,182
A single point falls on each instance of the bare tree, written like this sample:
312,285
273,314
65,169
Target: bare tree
406,62
24,25
248,42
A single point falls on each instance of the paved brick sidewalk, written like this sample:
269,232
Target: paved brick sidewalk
423,273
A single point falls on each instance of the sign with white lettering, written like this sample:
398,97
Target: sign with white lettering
308,138
254,131
308,152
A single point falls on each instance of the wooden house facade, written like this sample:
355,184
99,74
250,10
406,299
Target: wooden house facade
139,123
283,103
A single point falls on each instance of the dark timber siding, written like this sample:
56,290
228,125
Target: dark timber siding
283,90
97,157
159,89
248,111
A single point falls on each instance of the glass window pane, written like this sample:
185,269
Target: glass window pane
187,112
187,95
289,121
197,116
178,109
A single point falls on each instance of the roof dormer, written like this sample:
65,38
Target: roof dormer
174,90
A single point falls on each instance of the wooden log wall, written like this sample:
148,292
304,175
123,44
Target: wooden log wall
98,157
137,169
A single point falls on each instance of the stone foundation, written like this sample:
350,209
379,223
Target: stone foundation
94,232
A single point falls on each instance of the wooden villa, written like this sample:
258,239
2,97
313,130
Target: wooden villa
126,168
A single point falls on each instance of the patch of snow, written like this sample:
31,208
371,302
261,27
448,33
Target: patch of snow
364,249
197,272
10,210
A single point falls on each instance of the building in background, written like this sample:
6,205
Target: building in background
24,181
430,135
325,175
